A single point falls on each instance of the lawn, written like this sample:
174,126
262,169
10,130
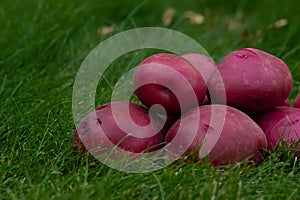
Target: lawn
43,44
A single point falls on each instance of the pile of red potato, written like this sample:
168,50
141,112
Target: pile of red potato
192,96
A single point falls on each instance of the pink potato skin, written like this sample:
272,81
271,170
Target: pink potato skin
254,80
297,102
281,122
154,92
240,138
99,130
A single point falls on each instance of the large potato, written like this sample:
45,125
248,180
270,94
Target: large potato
238,139
282,125
170,81
121,124
254,80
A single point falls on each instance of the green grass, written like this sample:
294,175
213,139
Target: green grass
42,46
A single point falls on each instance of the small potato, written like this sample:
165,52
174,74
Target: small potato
282,125
254,80
122,124
238,139
170,81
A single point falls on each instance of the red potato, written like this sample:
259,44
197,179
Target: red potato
254,80
121,124
238,139
281,124
170,81
297,102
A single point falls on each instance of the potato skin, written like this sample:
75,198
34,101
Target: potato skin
254,80
240,137
158,71
100,130
281,123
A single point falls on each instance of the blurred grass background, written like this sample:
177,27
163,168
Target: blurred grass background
42,46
